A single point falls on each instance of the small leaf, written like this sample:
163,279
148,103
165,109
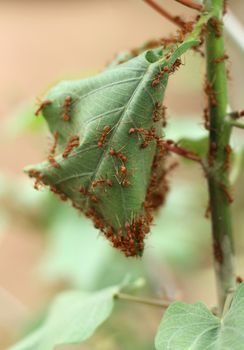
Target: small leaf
194,327
73,318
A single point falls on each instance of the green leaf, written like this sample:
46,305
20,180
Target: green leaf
194,327
73,318
107,129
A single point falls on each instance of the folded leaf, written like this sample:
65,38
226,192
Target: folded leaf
108,157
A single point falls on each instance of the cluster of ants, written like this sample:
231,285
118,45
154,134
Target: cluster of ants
166,69
129,239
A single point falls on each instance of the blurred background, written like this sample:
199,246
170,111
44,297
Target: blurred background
45,246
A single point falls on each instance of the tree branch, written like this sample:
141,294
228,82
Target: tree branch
191,4
174,19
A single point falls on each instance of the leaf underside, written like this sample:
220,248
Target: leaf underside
108,160
194,327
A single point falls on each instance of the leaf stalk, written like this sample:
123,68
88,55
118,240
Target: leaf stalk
145,301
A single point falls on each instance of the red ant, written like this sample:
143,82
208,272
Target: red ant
159,113
85,192
208,89
118,155
104,182
73,142
206,119
123,173
61,195
149,135
207,211
123,170
42,105
212,153
220,59
228,151
156,112
67,104
53,162
217,252
227,194
105,133
125,183
216,25
157,78
136,130
173,147
176,65
54,146
37,174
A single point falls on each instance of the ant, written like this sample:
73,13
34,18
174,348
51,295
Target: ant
54,146
67,104
149,135
176,65
159,113
102,182
123,170
118,155
85,192
42,105
227,194
212,153
228,151
206,119
216,25
125,183
220,59
53,162
38,175
157,78
208,89
56,191
105,133
73,142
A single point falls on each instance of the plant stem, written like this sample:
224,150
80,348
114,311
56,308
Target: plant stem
146,301
218,173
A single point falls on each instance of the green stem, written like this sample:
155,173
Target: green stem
218,174
146,301
236,124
